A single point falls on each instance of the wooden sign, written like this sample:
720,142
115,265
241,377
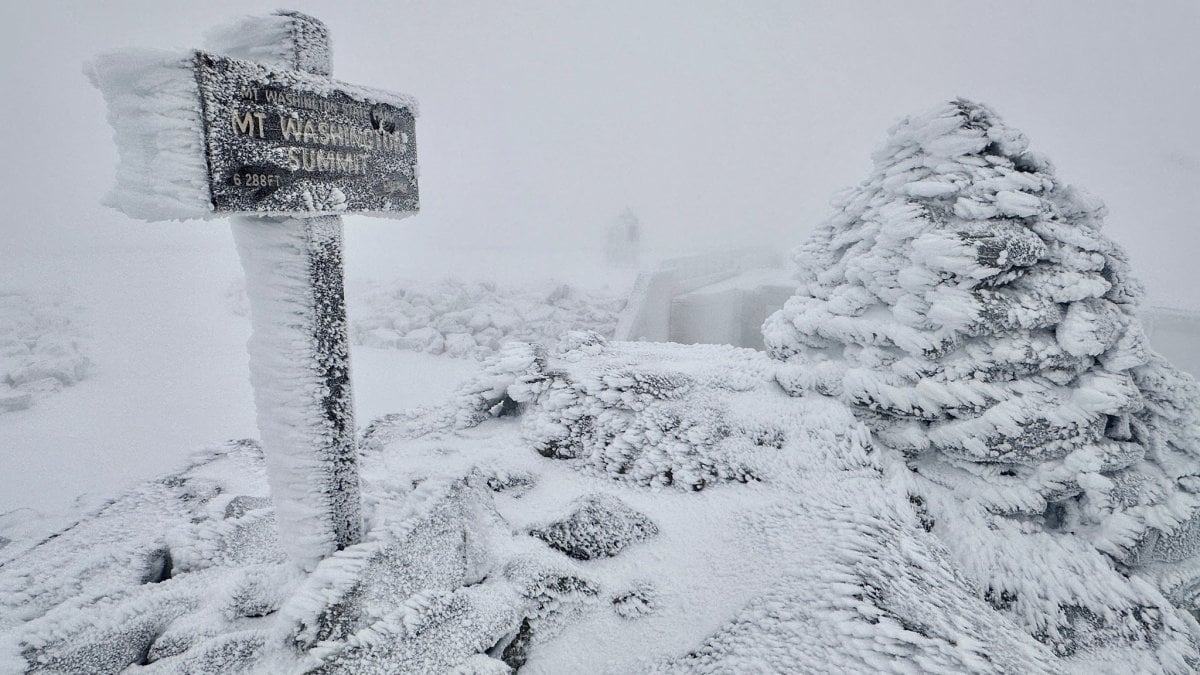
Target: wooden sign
262,134
287,141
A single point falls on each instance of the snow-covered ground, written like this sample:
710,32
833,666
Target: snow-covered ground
729,528
793,536
167,373
163,329
769,557
164,335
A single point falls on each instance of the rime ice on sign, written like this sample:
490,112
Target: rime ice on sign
238,130
257,130
281,142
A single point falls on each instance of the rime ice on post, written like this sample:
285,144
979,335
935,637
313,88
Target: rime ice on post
257,131
299,350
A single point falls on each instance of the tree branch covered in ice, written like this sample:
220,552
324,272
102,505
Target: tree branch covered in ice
965,304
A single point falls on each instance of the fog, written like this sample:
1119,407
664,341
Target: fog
717,123
721,125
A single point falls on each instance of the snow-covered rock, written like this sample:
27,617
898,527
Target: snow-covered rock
473,319
42,348
599,527
186,574
989,335
655,417
768,532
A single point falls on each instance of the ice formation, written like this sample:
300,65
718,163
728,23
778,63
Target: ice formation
964,303
154,110
160,125
300,369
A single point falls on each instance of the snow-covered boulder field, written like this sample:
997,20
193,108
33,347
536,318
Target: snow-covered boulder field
42,348
474,318
622,508
960,456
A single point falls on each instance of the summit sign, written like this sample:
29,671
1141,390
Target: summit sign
254,128
288,141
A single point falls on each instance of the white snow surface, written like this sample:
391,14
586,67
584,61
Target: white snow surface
784,540
167,375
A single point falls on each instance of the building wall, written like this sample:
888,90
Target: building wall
724,299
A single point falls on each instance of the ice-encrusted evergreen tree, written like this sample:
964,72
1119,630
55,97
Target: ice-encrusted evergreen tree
964,303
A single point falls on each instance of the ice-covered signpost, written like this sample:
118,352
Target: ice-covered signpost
256,130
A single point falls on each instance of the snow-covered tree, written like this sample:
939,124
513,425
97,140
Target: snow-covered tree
965,304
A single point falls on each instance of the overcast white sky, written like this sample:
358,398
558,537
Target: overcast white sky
716,122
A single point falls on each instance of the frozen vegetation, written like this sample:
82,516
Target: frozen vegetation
41,347
959,456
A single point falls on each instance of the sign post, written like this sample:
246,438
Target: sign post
284,150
